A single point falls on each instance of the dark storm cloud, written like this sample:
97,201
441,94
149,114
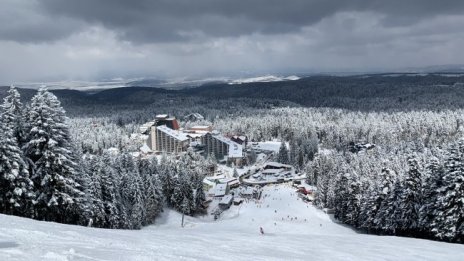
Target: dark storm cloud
145,21
90,39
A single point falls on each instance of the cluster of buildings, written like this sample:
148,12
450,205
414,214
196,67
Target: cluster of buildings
165,135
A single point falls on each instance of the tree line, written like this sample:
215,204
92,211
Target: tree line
418,195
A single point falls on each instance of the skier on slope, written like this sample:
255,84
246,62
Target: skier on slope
261,230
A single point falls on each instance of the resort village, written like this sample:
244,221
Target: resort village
239,169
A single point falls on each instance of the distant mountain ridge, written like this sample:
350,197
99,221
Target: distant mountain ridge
358,92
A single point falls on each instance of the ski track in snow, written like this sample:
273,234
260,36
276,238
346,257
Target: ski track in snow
235,236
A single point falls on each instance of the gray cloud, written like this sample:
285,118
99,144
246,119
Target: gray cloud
55,39
144,21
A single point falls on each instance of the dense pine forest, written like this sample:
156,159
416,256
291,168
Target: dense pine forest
409,182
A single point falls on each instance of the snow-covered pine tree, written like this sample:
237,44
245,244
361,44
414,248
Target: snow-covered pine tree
152,203
371,200
95,195
16,189
235,173
449,216
13,115
282,156
48,148
166,176
138,211
411,200
293,153
391,211
252,157
122,164
311,146
198,192
341,201
83,179
354,200
110,192
183,190
323,171
430,185
387,177
131,190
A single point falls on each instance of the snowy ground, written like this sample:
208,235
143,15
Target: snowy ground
268,145
293,229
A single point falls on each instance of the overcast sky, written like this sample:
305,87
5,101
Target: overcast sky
45,40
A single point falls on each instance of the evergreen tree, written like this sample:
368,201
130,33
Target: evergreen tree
391,211
371,201
235,173
449,216
110,193
16,189
252,157
354,200
283,157
166,176
183,190
131,193
431,184
95,195
341,198
293,153
198,191
48,147
153,195
387,182
411,200
12,117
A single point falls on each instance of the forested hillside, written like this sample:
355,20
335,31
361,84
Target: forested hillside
368,92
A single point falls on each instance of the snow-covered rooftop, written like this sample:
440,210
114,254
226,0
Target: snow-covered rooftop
196,115
247,191
220,190
200,127
146,126
227,180
235,149
173,133
277,165
195,135
145,149
227,199
271,171
161,116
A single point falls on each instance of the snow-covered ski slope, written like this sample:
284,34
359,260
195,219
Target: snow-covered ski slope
235,236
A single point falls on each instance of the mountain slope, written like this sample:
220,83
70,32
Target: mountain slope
234,237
